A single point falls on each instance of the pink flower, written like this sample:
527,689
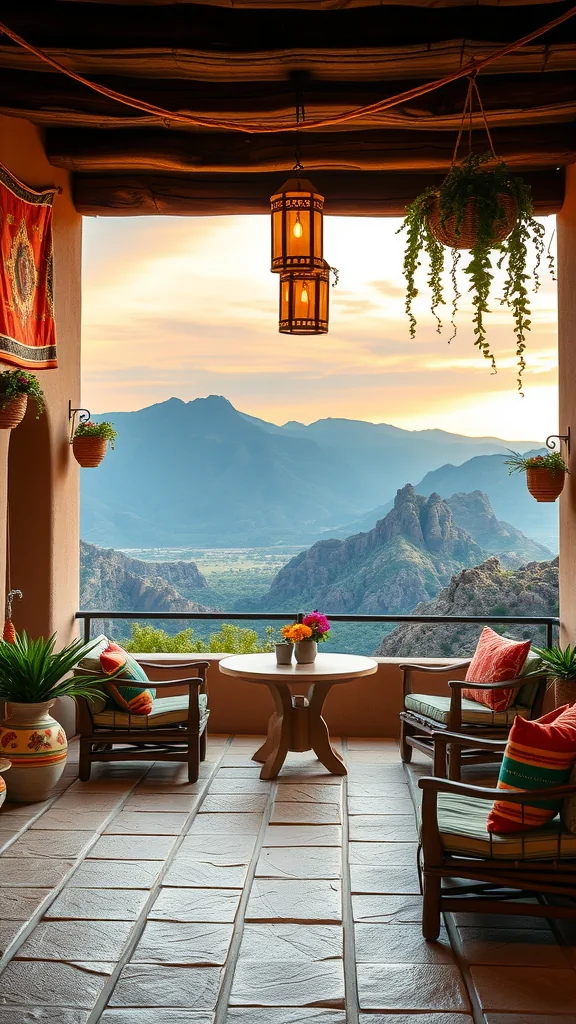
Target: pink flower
317,621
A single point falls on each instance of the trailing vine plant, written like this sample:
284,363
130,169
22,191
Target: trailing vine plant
487,188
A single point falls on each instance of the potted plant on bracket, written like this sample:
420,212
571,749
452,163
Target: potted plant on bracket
32,677
16,387
90,441
545,474
560,665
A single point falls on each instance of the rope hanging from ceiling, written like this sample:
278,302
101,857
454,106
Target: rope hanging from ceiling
169,116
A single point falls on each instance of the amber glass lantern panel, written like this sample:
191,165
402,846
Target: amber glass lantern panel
297,229
304,302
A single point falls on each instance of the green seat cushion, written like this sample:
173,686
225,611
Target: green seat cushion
473,713
462,824
165,711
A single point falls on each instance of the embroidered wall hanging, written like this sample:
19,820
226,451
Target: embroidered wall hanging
27,332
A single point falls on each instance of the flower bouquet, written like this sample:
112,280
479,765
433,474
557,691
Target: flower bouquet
306,635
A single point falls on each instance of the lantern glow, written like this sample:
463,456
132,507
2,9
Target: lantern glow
297,231
304,301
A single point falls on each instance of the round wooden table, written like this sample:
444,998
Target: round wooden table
297,722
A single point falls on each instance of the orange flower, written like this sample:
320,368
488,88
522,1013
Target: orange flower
296,633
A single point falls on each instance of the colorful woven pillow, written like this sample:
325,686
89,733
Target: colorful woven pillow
495,659
569,807
539,754
136,699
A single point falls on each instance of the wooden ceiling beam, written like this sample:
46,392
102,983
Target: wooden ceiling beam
324,5
59,101
369,64
357,194
155,151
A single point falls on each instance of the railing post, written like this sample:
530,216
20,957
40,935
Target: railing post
87,628
549,634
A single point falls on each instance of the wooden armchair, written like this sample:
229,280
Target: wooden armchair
174,731
455,844
424,715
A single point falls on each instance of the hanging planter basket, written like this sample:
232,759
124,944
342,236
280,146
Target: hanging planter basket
545,484
465,235
13,412
89,451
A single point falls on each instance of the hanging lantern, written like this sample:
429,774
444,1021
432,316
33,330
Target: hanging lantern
304,301
297,231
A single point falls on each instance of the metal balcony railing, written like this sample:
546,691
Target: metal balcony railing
549,621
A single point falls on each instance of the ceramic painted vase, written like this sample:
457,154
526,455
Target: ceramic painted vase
37,747
4,766
306,651
283,654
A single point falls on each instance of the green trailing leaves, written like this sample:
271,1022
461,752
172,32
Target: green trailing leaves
471,182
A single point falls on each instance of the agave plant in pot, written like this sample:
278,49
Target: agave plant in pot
545,474
32,676
90,442
16,387
560,666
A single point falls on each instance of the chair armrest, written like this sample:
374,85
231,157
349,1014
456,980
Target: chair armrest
165,666
459,739
508,684
407,668
157,684
516,796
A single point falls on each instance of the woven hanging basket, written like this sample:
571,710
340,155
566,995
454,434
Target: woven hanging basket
89,451
468,234
544,484
13,413
564,692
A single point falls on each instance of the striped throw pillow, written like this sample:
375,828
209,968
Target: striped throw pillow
496,659
539,755
136,699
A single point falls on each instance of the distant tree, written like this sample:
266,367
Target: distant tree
230,639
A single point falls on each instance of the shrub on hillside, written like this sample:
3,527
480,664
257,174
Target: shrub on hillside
230,639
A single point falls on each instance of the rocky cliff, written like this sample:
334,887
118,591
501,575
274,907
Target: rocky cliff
112,581
474,513
406,558
486,589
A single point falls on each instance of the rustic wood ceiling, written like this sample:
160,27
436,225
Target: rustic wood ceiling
232,60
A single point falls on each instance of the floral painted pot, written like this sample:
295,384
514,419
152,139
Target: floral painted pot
544,484
37,747
13,412
89,451
4,766
305,651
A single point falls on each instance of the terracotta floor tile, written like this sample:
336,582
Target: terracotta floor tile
168,823
373,755
42,1015
159,985
93,802
387,909
534,989
8,932
227,824
76,940
224,803
149,847
210,905
288,900
141,801
519,947
358,787
169,787
283,1015
186,944
475,920
287,812
116,874
206,873
303,835
98,904
399,880
21,904
419,1018
33,872
411,987
299,862
308,792
293,983
45,983
291,942
226,785
375,944
528,1018
227,849
249,771
383,828
311,773
70,819
378,805
157,1015
372,743
49,844
383,854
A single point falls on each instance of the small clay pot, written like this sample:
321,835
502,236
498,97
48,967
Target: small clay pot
306,651
13,413
564,692
544,484
89,451
283,654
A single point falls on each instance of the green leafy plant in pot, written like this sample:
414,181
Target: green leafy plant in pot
91,440
16,387
545,474
32,676
486,211
560,666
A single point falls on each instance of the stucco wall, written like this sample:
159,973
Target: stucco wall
566,224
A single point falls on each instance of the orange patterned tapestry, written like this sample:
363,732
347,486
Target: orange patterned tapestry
27,333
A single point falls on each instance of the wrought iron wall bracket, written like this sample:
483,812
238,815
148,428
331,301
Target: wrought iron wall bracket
83,417
553,438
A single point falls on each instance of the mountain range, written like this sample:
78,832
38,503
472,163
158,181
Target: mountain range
112,581
203,474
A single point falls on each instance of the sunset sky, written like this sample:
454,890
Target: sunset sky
187,307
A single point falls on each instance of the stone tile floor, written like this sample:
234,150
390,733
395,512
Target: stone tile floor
137,898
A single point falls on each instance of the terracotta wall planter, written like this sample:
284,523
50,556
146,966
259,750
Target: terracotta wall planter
13,413
89,451
544,484
564,692
468,236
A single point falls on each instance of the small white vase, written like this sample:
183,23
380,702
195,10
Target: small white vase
4,766
283,654
37,747
306,651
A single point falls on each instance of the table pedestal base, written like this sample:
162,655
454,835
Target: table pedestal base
297,725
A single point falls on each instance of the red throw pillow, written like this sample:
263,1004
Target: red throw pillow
495,659
539,754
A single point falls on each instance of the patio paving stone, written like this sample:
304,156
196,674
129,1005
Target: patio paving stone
98,904
189,944
76,940
211,905
298,862
159,985
228,785
292,983
533,989
377,805
303,835
154,1016
40,1015
193,871
49,844
141,801
288,900
151,823
21,904
226,849
519,947
291,942
383,828
116,874
377,909
68,818
283,1015
28,872
149,847
293,813
8,932
383,854
418,1018
309,792
45,983
229,824
411,987
223,803
376,945
402,880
